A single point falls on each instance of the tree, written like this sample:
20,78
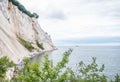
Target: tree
45,73
60,73
88,73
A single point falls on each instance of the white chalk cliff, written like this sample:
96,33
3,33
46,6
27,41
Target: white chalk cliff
14,23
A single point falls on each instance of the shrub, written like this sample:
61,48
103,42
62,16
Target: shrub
40,45
45,73
49,73
26,44
89,73
5,63
36,15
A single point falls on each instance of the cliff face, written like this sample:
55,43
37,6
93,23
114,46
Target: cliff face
14,24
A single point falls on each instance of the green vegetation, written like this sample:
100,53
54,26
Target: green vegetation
26,44
40,45
88,73
5,63
45,73
35,15
60,73
23,9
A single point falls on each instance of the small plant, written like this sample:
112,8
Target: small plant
26,44
40,45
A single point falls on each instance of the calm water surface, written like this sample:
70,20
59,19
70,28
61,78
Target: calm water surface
108,55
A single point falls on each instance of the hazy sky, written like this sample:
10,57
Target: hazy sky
78,21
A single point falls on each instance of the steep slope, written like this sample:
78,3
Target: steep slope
14,24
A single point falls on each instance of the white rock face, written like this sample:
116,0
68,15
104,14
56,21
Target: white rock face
14,23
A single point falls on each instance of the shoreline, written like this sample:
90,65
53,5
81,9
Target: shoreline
14,70
32,55
39,53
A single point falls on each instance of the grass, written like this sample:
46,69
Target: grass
26,44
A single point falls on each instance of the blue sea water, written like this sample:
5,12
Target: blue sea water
108,55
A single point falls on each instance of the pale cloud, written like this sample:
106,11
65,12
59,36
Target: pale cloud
77,19
55,14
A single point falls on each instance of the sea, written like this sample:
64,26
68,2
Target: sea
107,55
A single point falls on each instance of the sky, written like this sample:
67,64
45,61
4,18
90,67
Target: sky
75,22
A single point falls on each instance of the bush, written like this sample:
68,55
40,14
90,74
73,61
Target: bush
49,73
26,44
40,45
5,63
89,73
36,15
45,73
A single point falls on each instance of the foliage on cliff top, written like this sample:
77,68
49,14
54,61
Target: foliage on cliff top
23,9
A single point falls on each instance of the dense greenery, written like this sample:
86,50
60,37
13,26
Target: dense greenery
45,73
23,9
40,45
26,44
60,73
5,63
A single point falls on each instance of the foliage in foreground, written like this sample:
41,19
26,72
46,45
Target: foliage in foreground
45,73
5,63
60,73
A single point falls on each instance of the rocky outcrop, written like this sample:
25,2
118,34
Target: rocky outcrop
14,24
